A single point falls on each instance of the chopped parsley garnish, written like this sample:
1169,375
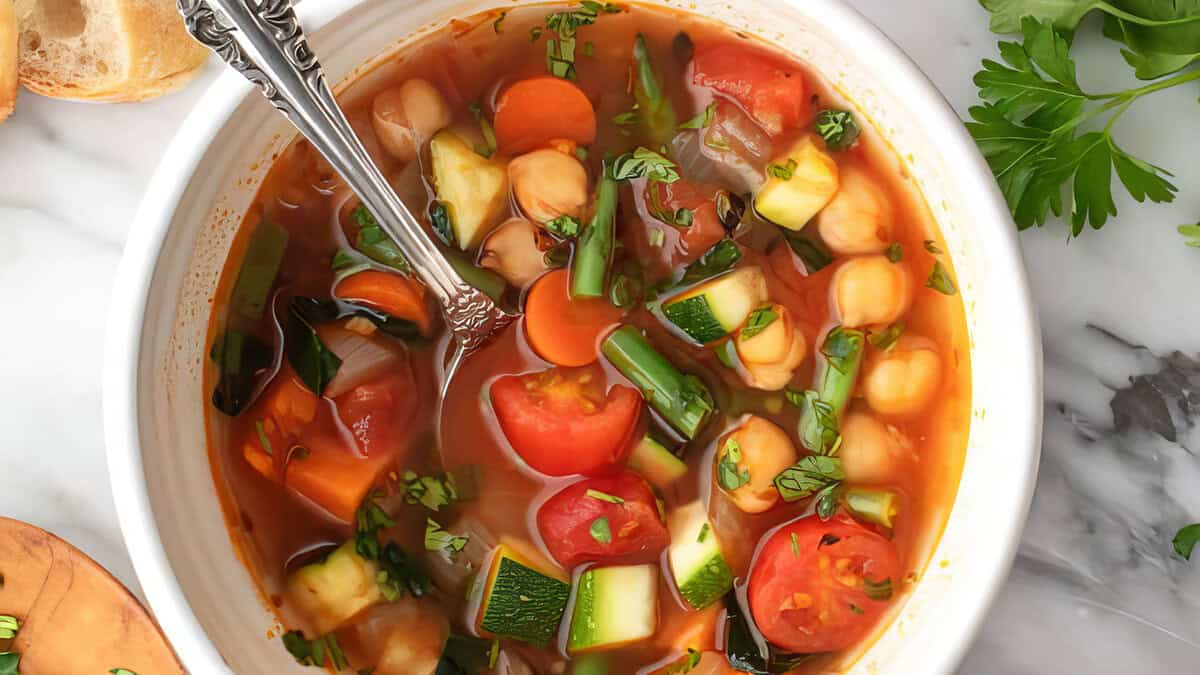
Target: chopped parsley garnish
894,252
262,438
600,530
320,652
795,545
397,572
827,501
485,127
931,246
439,220
840,346
758,321
729,475
939,279
809,476
684,665
838,128
499,20
1186,539
885,338
703,533
878,590
855,608
438,539
560,53
704,119
823,413
604,497
783,171
828,540
433,492
627,118
645,163
680,217
716,142
716,260
1191,233
565,227
121,671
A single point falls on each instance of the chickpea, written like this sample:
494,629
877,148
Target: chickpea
904,380
769,357
871,450
549,184
512,251
762,450
405,117
859,219
871,290
415,642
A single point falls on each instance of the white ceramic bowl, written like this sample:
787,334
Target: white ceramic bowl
154,404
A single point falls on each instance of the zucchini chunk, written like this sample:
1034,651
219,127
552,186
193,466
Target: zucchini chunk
656,463
520,602
333,591
799,184
701,573
614,606
716,308
473,189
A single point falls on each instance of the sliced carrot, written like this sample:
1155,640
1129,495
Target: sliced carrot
533,112
562,330
398,295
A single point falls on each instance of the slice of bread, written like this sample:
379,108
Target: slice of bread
8,59
104,50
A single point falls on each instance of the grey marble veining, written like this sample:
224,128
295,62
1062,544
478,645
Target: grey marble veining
1095,588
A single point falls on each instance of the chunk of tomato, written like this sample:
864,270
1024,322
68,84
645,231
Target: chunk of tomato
603,520
561,421
768,87
819,586
680,245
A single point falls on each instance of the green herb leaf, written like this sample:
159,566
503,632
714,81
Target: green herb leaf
838,128
374,243
885,338
808,476
894,252
1191,233
730,209
438,539
758,321
432,492
313,362
266,446
878,590
704,529
811,251
856,609
729,475
685,664
827,500
645,163
439,220
940,281
795,545
321,652
499,20
565,227
485,127
783,171
600,531
121,671
627,118
704,119
841,347
656,237
604,497
825,416
10,663
1186,539
716,260
560,53
931,246
535,33
1030,127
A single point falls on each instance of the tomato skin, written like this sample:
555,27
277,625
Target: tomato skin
770,89
637,530
561,422
804,605
681,245
372,411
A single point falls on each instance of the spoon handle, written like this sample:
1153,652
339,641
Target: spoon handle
263,41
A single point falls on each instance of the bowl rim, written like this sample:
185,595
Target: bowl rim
214,109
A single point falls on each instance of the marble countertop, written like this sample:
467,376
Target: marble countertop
1095,587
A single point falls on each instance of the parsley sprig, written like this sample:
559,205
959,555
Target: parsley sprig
1040,131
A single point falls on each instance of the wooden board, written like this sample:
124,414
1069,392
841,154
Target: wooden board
75,617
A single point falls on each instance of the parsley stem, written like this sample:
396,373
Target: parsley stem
1138,92
1121,14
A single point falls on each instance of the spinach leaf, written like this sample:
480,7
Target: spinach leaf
746,650
467,655
720,258
241,359
312,360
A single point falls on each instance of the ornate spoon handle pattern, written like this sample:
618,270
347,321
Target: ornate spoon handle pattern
263,41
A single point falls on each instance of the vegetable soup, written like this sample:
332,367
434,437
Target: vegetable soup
723,436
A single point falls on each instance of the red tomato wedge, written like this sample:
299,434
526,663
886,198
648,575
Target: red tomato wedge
533,112
613,519
821,586
561,422
563,330
691,242
769,88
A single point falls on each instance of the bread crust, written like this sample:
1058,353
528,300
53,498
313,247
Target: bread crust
8,59
160,56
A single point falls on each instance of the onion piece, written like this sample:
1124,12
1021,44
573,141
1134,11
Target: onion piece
363,358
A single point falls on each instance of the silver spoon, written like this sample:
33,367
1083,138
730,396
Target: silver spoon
264,42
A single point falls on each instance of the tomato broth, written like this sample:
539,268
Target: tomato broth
767,508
